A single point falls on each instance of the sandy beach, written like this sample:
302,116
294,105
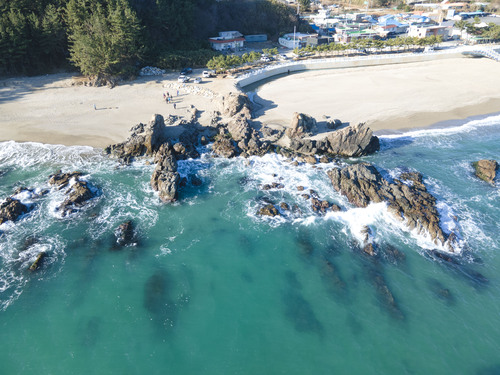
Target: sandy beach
50,109
388,97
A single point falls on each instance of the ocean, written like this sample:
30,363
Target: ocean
210,287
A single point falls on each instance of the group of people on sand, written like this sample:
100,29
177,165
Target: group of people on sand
169,99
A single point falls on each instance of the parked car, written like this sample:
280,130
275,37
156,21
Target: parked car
282,57
197,80
265,59
183,79
207,74
186,71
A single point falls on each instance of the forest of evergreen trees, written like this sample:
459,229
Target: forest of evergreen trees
116,37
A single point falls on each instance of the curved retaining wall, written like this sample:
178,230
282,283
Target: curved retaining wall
344,62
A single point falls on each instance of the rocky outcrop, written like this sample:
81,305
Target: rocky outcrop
78,194
407,198
144,140
323,206
237,104
224,146
301,126
38,261
165,179
125,234
61,180
268,210
486,170
245,139
352,141
11,209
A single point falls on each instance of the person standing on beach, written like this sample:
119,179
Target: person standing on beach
177,92
95,108
175,106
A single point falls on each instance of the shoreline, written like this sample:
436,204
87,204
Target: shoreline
390,99
444,120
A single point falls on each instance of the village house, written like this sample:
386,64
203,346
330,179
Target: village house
420,31
294,40
227,40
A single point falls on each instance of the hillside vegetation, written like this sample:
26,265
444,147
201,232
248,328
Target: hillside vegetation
116,37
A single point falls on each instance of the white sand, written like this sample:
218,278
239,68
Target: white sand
387,97
48,109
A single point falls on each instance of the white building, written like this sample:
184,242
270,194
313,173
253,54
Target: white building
293,40
227,40
426,31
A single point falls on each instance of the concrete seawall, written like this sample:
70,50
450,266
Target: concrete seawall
343,62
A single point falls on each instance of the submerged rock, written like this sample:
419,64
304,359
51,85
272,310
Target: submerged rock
11,209
362,184
486,170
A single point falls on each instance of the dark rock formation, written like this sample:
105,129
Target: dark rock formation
237,104
225,147
352,141
11,209
125,234
368,245
144,140
486,170
38,261
78,195
274,185
165,179
61,180
284,206
268,210
362,184
301,126
322,206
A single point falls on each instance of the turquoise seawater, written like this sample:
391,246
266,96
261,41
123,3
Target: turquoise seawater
211,288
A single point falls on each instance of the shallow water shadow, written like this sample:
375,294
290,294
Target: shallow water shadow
333,281
458,268
305,244
490,370
157,300
91,331
374,273
300,313
440,291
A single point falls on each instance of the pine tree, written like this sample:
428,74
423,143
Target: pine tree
104,37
